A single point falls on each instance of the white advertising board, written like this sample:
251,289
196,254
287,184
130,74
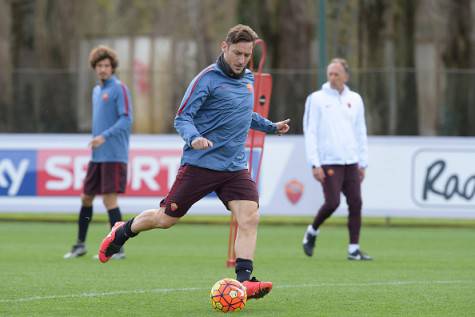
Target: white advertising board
406,177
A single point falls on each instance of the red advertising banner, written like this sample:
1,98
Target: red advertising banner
62,172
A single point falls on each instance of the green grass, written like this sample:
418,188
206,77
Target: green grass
265,219
416,272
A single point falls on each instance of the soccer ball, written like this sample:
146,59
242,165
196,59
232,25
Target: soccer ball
228,295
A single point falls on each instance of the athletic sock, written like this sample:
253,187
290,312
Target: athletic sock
85,217
312,230
114,216
243,269
124,233
353,247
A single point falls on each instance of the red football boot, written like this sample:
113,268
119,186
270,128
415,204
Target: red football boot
257,289
108,248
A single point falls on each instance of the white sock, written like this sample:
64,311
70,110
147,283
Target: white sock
312,231
353,247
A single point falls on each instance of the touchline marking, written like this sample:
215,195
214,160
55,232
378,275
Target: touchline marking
193,289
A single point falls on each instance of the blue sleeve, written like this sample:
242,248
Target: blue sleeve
194,97
260,123
124,107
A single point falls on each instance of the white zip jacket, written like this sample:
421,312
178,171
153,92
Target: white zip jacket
334,128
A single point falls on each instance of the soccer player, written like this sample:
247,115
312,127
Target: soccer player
337,150
111,125
214,119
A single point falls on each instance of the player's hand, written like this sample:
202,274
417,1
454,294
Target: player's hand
318,174
97,142
362,173
283,126
201,143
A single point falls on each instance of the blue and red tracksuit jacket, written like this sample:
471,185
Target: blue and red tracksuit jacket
111,117
219,108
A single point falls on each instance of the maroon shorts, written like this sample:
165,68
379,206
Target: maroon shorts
193,183
105,178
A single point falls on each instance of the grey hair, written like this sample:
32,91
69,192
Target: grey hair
342,62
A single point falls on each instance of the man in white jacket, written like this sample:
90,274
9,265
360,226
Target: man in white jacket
336,146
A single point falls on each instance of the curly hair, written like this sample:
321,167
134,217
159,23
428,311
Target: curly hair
102,52
241,33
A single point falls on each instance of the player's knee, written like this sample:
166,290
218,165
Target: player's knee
109,201
332,204
255,218
355,211
355,204
250,220
106,203
86,200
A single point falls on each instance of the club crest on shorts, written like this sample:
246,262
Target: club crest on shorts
294,190
331,172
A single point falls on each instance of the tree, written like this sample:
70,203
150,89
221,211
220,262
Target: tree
42,41
5,66
458,55
287,28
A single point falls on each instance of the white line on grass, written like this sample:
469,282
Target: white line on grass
192,289
385,283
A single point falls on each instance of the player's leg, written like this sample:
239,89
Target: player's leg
239,193
331,192
123,231
191,184
111,203
153,219
113,182
85,217
90,188
113,243
115,216
352,191
247,216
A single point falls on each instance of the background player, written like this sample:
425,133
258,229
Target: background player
111,125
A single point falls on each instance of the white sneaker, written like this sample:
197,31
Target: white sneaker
76,251
359,256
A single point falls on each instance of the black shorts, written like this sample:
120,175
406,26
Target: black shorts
193,183
105,178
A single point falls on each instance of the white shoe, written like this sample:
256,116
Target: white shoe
76,251
359,256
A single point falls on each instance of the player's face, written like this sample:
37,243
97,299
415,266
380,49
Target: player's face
104,69
337,76
237,55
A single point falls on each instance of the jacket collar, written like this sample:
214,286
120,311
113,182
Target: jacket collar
225,68
327,88
111,79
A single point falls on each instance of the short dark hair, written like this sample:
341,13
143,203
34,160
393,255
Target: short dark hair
342,62
102,52
241,33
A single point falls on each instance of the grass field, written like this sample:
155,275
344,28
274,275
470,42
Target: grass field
416,272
